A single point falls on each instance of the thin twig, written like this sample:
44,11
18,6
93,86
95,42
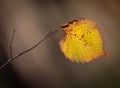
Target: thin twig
10,46
49,33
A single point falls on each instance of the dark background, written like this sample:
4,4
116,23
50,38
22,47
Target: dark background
46,66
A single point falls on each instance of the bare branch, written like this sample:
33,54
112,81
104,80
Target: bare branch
48,34
10,45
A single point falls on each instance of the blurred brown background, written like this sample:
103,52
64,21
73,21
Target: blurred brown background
46,66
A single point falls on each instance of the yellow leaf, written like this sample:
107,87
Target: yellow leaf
82,41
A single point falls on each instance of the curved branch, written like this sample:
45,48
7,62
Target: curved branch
48,34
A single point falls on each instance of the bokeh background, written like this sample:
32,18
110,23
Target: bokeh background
46,66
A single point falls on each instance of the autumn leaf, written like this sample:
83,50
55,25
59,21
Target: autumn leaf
82,41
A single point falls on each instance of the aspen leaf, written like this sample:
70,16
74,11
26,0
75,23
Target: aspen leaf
82,41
